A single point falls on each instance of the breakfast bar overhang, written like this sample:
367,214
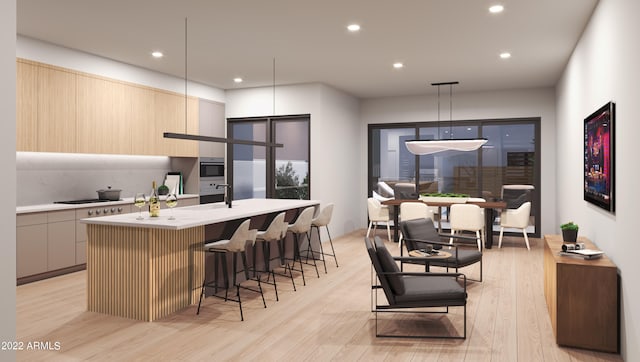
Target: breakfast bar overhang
148,269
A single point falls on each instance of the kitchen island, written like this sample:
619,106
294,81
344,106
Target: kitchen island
148,269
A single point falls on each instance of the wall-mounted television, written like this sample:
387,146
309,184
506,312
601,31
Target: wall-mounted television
599,157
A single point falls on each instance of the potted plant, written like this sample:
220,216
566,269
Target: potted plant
569,232
163,190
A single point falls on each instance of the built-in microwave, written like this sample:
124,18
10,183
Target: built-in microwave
211,167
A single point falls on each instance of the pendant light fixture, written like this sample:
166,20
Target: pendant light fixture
193,137
427,147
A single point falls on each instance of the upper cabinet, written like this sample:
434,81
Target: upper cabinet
104,116
172,117
61,110
46,101
26,107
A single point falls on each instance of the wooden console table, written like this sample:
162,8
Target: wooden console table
582,298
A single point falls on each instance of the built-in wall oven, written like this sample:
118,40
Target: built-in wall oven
211,175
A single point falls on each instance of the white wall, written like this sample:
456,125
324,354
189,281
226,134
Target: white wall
335,142
479,105
604,67
7,159
48,53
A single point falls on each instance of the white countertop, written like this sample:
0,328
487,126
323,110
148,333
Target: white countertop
57,207
191,216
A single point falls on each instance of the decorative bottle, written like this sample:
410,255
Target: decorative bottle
154,202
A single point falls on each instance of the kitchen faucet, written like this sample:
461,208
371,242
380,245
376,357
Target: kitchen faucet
227,193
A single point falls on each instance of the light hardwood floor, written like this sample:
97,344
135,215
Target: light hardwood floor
328,319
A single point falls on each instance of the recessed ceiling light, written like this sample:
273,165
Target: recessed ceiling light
398,65
353,27
505,55
157,54
237,80
496,9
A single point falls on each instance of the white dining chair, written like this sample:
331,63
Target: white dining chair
467,217
516,218
378,213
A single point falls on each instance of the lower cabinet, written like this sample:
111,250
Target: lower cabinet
56,240
45,241
61,239
31,246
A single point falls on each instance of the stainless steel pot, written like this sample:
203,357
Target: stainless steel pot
109,194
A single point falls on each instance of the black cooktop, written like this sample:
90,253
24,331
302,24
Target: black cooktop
85,201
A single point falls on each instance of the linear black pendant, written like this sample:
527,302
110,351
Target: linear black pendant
193,137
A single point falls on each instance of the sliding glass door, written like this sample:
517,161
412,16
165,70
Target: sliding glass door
507,167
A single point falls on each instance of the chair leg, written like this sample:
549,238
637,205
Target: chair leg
296,254
479,239
321,248
246,272
333,251
266,253
500,238
369,228
315,264
526,238
201,295
284,262
388,231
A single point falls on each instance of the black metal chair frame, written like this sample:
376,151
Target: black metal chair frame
394,307
445,263
222,255
321,248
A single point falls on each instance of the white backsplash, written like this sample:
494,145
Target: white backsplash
43,178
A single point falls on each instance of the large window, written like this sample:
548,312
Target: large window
273,172
507,167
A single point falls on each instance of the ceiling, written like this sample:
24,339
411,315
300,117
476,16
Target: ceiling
437,40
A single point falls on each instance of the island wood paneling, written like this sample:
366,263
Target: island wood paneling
143,273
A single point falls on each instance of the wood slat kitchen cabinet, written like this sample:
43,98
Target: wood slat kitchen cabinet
26,107
62,110
170,117
56,96
46,108
104,116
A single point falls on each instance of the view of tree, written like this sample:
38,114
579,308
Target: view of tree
288,184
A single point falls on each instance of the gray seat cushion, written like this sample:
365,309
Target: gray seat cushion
465,257
441,290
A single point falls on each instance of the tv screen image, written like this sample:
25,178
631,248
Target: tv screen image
598,157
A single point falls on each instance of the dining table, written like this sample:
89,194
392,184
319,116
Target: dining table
489,214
